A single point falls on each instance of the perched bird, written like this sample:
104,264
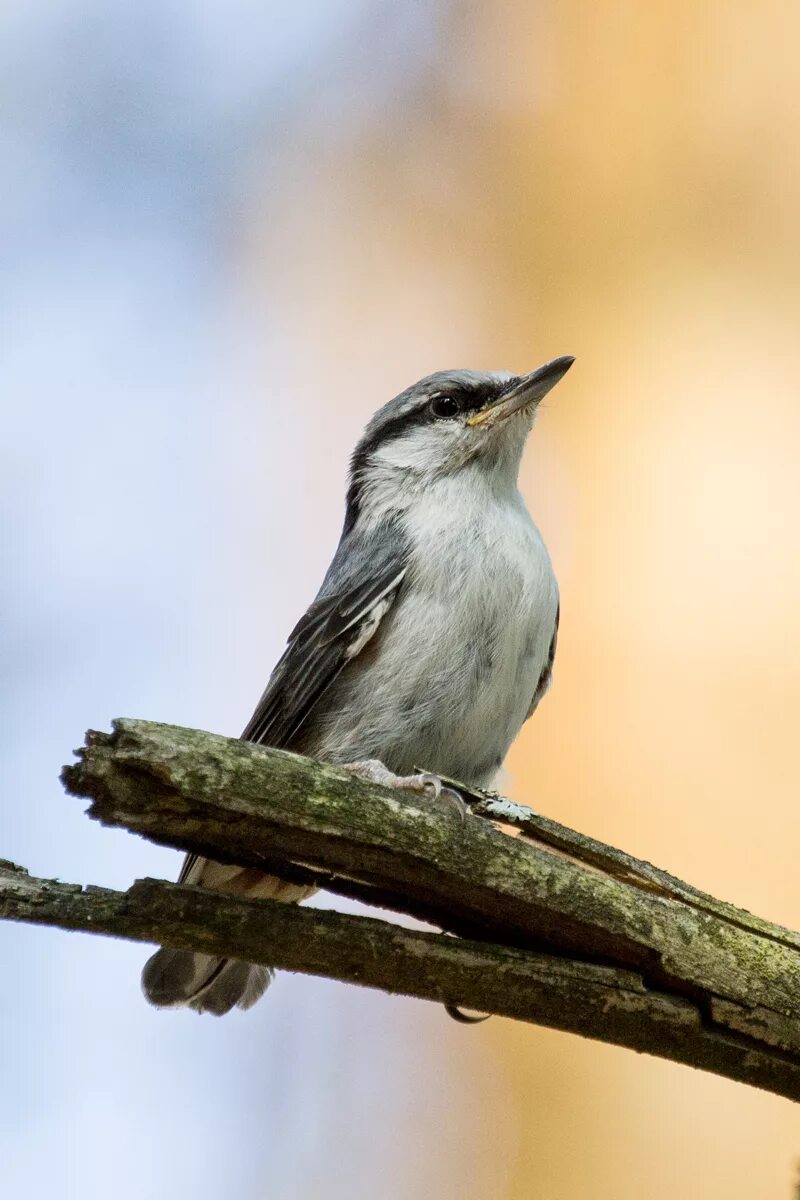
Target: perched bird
430,641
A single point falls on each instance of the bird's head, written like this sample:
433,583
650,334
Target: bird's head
444,424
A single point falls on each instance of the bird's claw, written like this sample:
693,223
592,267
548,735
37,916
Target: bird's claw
426,779
422,781
463,1017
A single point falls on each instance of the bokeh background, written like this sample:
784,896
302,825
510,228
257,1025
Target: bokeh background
230,231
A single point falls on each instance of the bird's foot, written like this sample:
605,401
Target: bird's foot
422,781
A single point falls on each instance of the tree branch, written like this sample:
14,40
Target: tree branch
606,1003
555,928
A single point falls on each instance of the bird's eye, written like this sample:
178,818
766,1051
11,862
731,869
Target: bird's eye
444,407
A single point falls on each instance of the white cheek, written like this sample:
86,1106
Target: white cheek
423,450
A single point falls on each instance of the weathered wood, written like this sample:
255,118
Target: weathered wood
252,805
610,1004
556,927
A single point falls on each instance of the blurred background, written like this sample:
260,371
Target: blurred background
230,232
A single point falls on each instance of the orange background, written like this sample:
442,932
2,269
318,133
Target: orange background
235,230
619,182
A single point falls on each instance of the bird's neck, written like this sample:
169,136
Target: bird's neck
473,489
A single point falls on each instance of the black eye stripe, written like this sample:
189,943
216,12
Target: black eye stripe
396,424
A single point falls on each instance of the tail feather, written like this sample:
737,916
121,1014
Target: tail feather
185,979
181,978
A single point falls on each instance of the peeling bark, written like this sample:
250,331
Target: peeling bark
554,927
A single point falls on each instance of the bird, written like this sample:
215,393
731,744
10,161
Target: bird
432,637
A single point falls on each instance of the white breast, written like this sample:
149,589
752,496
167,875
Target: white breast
456,665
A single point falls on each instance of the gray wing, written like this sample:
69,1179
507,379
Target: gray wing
546,677
359,589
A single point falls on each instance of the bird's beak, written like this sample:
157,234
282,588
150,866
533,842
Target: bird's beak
524,393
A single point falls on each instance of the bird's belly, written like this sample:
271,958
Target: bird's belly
475,704
449,681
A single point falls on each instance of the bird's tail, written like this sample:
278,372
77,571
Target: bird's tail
184,979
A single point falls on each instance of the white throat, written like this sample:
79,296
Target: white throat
420,469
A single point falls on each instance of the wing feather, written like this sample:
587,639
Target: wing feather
546,677
316,654
358,591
